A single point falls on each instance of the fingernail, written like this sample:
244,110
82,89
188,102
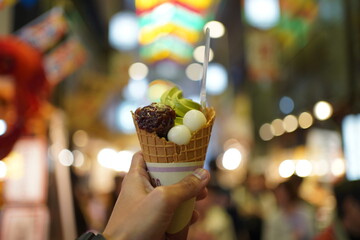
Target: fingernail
200,173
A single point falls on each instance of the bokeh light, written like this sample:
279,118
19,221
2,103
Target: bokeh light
290,123
286,168
320,167
3,169
303,168
338,167
80,138
138,71
199,54
106,157
305,120
277,127
136,89
157,88
216,79
123,161
323,110
231,159
3,127
194,71
124,119
262,14
265,132
66,157
123,31
286,105
217,29
351,139
79,158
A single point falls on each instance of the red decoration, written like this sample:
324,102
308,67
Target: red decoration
24,63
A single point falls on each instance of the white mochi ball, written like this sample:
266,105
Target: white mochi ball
194,120
179,135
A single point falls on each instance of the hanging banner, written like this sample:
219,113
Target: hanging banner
64,60
6,3
45,31
50,34
263,57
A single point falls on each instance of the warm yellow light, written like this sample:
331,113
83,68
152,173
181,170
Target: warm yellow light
265,132
321,167
277,127
231,159
79,158
303,168
123,161
323,110
305,120
149,34
106,157
338,167
156,89
286,168
198,4
290,123
15,165
3,170
145,4
80,138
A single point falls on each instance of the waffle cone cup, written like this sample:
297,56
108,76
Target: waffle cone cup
159,150
168,163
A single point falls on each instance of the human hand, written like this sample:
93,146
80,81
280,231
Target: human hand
144,212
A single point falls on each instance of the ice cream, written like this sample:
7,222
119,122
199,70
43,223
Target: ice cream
156,117
174,145
176,118
174,98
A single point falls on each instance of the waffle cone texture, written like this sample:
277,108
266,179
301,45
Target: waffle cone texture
159,150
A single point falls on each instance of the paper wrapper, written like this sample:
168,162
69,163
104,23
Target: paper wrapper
163,174
168,163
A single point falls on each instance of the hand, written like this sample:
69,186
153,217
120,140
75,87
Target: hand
144,212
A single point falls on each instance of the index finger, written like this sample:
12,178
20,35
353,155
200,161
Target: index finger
138,175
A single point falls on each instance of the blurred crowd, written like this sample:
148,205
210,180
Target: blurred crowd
251,211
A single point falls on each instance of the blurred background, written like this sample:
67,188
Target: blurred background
283,78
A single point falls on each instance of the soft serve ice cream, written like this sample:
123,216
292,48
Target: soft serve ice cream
174,117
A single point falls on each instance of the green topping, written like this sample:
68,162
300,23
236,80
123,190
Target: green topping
174,98
160,106
178,121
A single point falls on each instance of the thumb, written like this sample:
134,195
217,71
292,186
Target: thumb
190,186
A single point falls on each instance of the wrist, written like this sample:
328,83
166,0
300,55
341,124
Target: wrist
112,235
92,236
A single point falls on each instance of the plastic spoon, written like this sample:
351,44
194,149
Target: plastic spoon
205,66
